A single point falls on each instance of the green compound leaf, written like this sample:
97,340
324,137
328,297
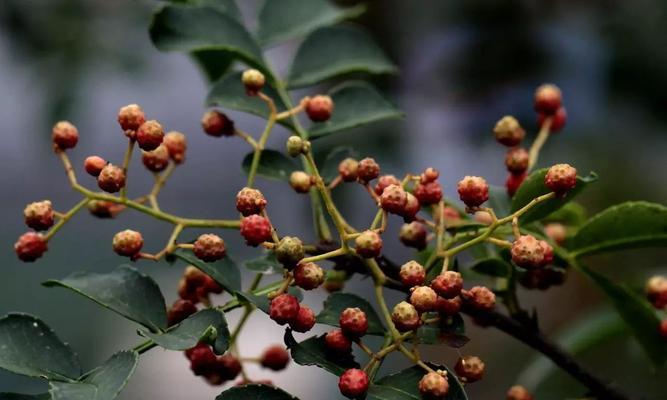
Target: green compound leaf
356,103
534,186
313,351
288,19
205,324
329,169
334,51
18,396
337,302
255,392
404,385
492,266
273,165
125,291
624,226
224,271
29,347
266,264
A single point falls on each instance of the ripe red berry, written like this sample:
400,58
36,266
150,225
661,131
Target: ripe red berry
39,215
253,80
469,369
368,244
548,253
556,232
423,298
448,307
180,310
353,383
227,367
368,170
528,252
30,246
127,243
448,284
304,320
508,131
430,174
405,317
516,160
284,308
131,117
518,392
209,247
150,135
337,342
473,191
411,208
413,235
103,209
479,298
656,291
428,193
308,275
513,183
275,357
255,229
289,251
319,108
412,274
64,135
156,160
348,169
111,179
217,124
433,386
353,322
176,145
393,199
561,178
94,164
384,182
548,99
663,328
558,119
202,359
300,181
250,201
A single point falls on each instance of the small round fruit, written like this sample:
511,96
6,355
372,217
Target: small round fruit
30,246
433,386
448,307
368,244
156,160
180,310
127,243
393,199
518,392
319,108
304,320
202,359
353,322
412,274
414,235
656,291
558,119
103,209
250,201
300,181
176,146
131,117
209,247
150,135
430,174
516,160
473,191
423,298
469,369
556,232
215,123
39,215
479,298
111,179
253,80
294,145
227,367
64,135
289,251
337,342
93,165
561,178
368,170
384,182
275,357
508,131
348,169
353,383
284,308
255,230
527,252
412,207
308,275
448,284
548,99
428,193
405,317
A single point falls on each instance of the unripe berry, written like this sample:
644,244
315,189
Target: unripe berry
150,135
411,208
368,170
413,235
337,342
39,215
308,275
275,357
663,328
556,232
93,165
353,383
448,284
30,246
428,193
393,199
131,117
527,252
202,359
156,160
250,201
508,131
319,108
334,280
180,310
103,209
469,369
209,247
548,99
430,174
561,178
304,320
558,119
348,169
111,179
300,181
353,322
255,229
64,135
176,145
433,386
518,392
473,191
412,274
253,80
284,308
368,244
516,160
656,291
405,317
217,124
384,182
127,243
479,298
423,298
289,251
295,146
448,307
513,183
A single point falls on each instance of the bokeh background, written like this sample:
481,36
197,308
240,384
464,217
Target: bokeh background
463,65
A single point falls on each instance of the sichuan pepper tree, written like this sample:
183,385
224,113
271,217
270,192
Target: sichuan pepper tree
523,234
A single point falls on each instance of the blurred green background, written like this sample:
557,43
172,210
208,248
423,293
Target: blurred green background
463,65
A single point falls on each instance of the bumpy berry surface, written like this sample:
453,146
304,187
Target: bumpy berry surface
217,124
433,386
516,160
65,135
528,252
253,80
353,322
412,207
156,160
255,229
393,199
308,275
508,131
304,320
368,244
561,178
209,247
250,201
473,191
127,243
423,298
319,108
469,369
428,193
337,342
39,215
385,181
30,246
348,169
289,251
368,170
284,308
176,146
448,284
111,179
131,117
405,317
412,274
479,298
150,135
448,307
353,383
414,235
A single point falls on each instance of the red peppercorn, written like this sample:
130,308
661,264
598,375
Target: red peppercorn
255,229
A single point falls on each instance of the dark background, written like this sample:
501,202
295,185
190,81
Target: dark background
463,65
